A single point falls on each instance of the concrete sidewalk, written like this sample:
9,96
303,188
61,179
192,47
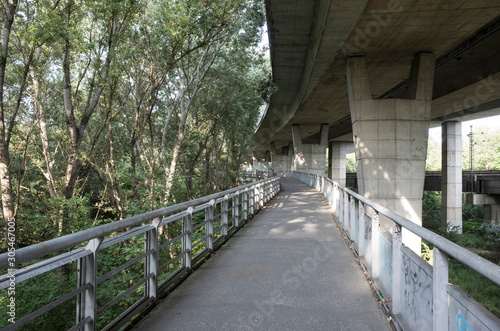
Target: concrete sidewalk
287,269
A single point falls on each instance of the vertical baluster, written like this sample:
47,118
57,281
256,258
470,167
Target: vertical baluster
209,225
440,292
224,216
236,209
375,245
251,204
352,219
151,265
397,269
244,212
87,274
187,238
261,195
346,213
361,238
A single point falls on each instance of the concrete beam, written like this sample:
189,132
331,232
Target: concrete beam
309,158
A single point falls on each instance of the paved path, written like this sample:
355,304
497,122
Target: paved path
287,269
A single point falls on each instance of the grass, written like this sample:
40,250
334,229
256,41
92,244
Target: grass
481,289
482,239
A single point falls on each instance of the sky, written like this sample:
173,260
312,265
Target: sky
492,123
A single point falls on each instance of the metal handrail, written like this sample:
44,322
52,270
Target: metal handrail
479,264
342,201
253,197
35,251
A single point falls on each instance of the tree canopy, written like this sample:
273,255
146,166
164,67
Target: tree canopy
109,108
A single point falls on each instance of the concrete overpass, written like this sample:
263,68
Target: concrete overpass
379,73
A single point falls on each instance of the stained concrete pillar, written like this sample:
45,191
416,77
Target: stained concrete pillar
337,151
280,162
390,138
491,214
309,158
275,159
451,183
290,156
259,165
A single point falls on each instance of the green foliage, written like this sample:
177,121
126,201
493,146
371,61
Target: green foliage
139,62
477,286
486,149
350,162
433,161
431,210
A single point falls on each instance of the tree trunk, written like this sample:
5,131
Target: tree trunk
41,113
10,7
111,171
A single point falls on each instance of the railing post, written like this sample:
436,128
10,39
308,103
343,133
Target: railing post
224,215
266,192
209,226
346,213
86,303
397,269
375,245
256,198
331,190
341,207
187,239
236,209
338,199
352,219
151,265
440,293
361,237
244,202
251,204
261,195
325,187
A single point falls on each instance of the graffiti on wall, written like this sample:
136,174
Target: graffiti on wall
417,295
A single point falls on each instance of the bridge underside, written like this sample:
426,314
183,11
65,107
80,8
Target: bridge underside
379,73
310,40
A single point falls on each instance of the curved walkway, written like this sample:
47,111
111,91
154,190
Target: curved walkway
287,269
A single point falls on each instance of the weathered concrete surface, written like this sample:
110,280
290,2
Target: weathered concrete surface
309,40
309,158
451,183
288,269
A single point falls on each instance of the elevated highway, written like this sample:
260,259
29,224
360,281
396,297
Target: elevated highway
310,40
379,73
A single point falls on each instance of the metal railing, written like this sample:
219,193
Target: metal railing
417,294
167,243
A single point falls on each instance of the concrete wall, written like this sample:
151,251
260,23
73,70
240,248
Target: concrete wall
309,158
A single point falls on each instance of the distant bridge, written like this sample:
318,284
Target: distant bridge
483,182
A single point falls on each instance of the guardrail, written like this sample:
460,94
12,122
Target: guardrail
418,295
167,244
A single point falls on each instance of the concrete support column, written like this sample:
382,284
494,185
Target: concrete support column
276,162
280,162
390,139
309,158
451,183
337,151
491,214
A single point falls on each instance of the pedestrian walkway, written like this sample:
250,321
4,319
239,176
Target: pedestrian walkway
287,269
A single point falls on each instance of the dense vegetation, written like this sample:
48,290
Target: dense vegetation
483,239
110,108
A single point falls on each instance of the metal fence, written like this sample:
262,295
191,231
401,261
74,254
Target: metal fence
162,248
418,295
